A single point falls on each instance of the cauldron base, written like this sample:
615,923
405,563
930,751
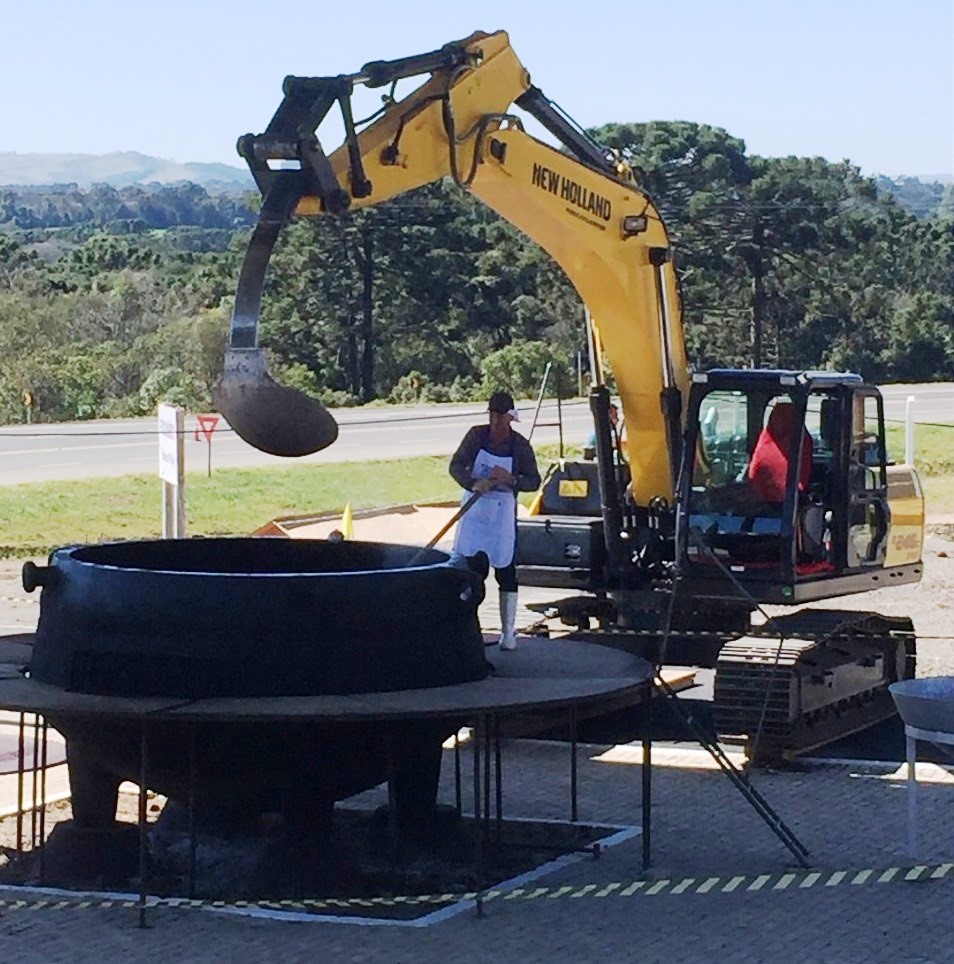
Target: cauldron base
241,771
74,856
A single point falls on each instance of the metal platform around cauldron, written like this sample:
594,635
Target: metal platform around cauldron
541,680
540,675
275,675
299,753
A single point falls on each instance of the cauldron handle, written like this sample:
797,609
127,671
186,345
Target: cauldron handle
34,575
471,591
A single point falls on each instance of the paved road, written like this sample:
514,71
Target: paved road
108,448
933,403
119,447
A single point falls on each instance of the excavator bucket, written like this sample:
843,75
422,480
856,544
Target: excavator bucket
271,417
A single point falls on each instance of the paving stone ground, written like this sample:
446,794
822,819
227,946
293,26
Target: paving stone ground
686,907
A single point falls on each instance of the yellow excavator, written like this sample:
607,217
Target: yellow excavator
737,488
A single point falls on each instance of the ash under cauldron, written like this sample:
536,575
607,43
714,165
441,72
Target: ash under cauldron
253,620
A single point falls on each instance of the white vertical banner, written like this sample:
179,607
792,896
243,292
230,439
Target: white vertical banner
172,470
909,430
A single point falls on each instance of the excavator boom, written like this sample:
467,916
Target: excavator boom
580,204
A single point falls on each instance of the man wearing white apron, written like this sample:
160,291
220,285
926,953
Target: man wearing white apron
496,462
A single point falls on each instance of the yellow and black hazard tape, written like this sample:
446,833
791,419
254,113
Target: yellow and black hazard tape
788,882
753,632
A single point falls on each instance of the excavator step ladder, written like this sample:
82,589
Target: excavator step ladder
739,779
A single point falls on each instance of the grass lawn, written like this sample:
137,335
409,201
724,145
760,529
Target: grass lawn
933,448
37,517
934,459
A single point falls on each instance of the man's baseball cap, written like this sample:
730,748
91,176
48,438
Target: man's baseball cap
502,403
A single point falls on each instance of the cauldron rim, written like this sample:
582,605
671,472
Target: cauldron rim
432,558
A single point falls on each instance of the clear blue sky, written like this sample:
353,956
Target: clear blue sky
867,80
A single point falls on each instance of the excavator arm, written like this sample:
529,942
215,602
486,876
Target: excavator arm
580,204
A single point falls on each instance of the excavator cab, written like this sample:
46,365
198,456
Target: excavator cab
785,488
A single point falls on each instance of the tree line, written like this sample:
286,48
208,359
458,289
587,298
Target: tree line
114,299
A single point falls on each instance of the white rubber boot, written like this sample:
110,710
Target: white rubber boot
508,617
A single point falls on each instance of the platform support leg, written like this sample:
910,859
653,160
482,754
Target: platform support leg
478,745
647,799
458,797
911,754
44,759
498,782
574,797
142,826
394,796
35,808
21,771
193,843
487,742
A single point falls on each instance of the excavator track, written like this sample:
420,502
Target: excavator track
799,682
823,675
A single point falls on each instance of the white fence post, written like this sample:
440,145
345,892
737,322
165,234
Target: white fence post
909,430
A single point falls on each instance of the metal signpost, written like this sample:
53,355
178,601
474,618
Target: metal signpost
206,425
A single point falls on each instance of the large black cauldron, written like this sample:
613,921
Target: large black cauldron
255,617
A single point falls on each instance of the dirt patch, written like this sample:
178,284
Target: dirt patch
357,871
943,529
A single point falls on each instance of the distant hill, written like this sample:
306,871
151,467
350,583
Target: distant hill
923,197
119,169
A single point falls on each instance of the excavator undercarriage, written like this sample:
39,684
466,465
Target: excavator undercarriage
798,682
821,675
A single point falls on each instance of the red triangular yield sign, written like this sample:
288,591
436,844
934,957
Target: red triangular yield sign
207,425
